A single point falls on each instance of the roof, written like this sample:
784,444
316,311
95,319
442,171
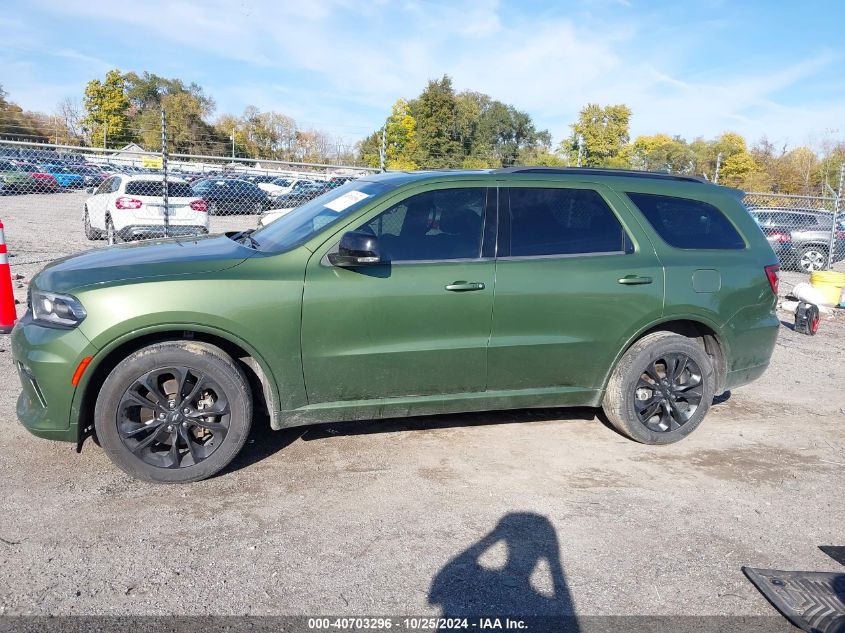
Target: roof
401,177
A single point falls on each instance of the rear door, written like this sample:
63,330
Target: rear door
576,276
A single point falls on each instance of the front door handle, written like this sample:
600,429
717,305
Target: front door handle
465,286
634,280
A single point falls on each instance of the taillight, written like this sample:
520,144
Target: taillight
199,205
773,274
840,235
128,203
780,238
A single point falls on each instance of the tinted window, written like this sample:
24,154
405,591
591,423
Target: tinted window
105,186
685,223
435,225
562,222
154,188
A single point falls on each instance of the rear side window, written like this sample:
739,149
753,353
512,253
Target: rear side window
562,222
685,223
154,188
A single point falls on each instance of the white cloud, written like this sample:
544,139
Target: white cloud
340,64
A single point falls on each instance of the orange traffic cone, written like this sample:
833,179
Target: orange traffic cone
8,314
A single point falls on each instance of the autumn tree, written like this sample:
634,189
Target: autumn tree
603,133
660,152
401,148
107,111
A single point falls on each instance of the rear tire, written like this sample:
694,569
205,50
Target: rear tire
90,232
111,234
812,259
149,413
661,389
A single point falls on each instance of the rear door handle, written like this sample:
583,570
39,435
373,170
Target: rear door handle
465,286
634,280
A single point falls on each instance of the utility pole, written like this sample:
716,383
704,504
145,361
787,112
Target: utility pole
105,133
718,167
233,143
164,169
383,148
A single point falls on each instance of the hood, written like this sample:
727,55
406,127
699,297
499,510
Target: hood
142,259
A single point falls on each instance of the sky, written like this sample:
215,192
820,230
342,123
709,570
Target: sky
689,67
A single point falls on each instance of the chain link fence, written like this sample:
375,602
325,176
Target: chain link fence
88,197
807,233
58,200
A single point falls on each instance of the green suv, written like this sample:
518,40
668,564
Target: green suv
406,294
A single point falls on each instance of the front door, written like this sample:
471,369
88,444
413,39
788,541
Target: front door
417,324
575,277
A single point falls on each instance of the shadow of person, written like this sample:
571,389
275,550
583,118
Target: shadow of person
529,582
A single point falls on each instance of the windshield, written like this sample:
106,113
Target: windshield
311,218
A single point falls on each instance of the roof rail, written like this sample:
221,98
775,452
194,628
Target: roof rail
599,171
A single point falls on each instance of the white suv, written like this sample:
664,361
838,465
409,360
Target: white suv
126,207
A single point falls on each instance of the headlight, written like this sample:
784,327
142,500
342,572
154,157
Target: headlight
55,310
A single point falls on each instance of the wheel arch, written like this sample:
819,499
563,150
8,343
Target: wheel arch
258,372
694,327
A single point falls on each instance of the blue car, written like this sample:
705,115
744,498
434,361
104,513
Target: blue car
65,178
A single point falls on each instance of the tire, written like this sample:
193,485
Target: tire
812,258
213,209
258,209
679,409
139,439
111,234
90,232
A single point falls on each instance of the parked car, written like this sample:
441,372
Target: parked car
42,182
231,196
401,294
299,194
281,186
272,215
65,178
800,237
14,179
126,207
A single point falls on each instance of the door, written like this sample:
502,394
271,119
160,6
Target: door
418,323
576,276
98,203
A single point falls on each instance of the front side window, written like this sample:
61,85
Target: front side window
561,222
435,225
686,223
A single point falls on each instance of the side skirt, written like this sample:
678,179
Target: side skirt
406,406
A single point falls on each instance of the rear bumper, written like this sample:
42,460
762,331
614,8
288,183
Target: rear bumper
157,230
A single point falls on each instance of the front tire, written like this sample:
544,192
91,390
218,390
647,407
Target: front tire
174,412
661,389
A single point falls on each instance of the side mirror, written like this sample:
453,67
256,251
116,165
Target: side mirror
90,190
356,249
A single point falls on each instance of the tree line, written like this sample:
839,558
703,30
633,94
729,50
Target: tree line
439,128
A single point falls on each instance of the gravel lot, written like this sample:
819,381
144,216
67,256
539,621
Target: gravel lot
377,518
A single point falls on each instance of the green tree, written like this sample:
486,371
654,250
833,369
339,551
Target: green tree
660,152
436,115
107,111
605,134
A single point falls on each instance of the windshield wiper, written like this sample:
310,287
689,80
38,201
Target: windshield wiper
247,235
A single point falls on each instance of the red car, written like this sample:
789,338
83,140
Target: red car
44,182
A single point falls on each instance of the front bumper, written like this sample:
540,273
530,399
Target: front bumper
45,359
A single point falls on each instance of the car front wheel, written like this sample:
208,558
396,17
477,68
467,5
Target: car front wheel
661,389
812,258
174,412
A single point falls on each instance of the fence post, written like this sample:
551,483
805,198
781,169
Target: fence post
837,204
164,169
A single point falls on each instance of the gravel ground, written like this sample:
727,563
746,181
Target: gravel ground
380,518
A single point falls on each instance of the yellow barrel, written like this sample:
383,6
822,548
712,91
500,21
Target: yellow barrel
829,283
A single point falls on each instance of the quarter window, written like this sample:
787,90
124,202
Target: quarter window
685,223
562,222
436,225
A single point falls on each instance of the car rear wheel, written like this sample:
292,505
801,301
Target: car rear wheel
111,234
812,258
213,209
174,412
90,232
661,389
